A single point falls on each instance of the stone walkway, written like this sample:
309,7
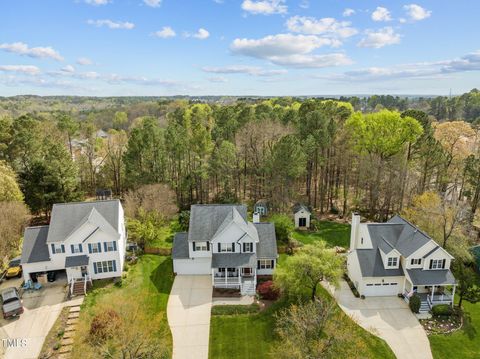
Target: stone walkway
243,300
188,312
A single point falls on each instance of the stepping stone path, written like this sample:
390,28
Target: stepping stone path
67,340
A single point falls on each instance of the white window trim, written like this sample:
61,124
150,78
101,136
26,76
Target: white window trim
201,246
394,261
105,267
437,263
265,263
249,247
226,247
96,247
110,247
76,248
58,248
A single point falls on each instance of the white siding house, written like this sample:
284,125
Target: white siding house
396,257
86,239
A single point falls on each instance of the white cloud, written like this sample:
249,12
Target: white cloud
265,7
243,69
112,24
381,14
305,4
290,50
21,48
416,12
68,68
23,69
97,2
218,79
348,12
201,34
165,33
84,61
324,26
379,38
466,63
153,3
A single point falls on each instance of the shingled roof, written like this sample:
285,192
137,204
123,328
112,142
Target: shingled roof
35,245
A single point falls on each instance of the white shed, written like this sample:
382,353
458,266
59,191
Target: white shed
302,216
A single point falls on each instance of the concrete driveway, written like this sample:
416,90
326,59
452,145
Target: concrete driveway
188,313
41,310
390,318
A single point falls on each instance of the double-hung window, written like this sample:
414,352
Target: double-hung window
392,261
416,261
104,267
265,264
94,247
201,246
437,264
248,247
110,246
57,248
226,247
76,248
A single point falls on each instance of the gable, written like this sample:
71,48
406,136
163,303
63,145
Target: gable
233,233
92,225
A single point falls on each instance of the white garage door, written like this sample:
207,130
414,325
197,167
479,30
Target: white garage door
380,289
197,266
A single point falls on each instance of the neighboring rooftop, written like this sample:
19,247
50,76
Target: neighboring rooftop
35,245
67,217
267,245
299,207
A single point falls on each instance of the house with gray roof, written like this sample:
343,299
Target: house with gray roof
221,242
87,240
396,257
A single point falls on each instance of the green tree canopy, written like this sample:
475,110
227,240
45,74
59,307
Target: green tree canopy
9,189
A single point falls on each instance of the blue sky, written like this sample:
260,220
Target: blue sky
238,47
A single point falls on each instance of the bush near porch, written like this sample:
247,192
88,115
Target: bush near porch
146,288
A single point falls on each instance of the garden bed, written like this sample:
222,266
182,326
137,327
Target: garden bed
55,335
443,324
226,293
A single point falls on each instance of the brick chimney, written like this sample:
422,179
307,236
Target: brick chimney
355,230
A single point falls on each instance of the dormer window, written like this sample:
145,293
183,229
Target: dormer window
437,263
416,261
392,262
201,246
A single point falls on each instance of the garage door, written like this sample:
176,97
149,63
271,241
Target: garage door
380,289
197,266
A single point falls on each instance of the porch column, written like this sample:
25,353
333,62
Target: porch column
226,276
213,276
433,291
453,294
239,276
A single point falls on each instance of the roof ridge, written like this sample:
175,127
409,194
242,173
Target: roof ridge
39,226
86,202
414,226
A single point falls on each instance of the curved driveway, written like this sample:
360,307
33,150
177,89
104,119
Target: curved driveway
390,318
188,312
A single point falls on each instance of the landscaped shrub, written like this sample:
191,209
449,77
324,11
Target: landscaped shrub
442,310
104,325
351,285
235,309
415,303
267,290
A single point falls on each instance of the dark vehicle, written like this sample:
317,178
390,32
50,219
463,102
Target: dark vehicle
11,303
51,276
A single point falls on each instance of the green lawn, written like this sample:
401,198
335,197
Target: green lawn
463,344
333,233
148,284
252,335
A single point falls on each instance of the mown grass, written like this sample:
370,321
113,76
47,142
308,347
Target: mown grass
148,284
333,233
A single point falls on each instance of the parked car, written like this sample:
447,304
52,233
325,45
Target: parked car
14,268
11,303
51,276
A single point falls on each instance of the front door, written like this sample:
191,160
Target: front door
84,271
246,272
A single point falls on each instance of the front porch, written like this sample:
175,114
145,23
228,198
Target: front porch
241,278
431,296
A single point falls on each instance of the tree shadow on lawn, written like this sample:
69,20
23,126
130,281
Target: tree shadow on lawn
467,327
162,276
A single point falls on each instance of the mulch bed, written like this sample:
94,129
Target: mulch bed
443,324
226,293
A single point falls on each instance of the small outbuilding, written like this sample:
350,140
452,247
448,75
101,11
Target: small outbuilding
301,215
261,207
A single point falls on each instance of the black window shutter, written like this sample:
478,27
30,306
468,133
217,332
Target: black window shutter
233,247
420,261
258,264
63,248
431,263
443,264
273,263
411,262
80,247
208,246
71,247
244,246
53,248
193,246
89,248
219,247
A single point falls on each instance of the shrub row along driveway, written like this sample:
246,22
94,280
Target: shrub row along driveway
388,317
188,311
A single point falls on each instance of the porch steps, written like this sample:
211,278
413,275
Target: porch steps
78,288
424,307
248,288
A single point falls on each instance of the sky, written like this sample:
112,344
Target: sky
238,47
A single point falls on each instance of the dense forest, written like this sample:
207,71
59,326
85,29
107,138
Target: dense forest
378,155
